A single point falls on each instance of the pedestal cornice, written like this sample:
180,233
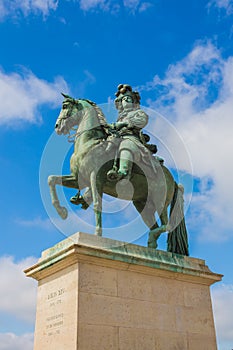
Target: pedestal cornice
87,247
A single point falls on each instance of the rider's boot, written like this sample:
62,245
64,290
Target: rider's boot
125,167
126,163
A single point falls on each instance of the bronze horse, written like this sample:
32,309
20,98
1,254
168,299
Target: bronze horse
95,155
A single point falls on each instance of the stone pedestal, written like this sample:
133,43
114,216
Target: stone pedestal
96,293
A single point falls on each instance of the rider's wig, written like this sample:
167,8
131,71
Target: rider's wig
126,90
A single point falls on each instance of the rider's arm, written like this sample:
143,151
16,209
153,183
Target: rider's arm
137,119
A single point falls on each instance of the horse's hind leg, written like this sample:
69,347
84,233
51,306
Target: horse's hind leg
156,231
164,219
147,212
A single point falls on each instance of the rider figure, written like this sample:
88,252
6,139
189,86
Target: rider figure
131,119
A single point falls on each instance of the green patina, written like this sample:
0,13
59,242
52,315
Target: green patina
111,156
82,244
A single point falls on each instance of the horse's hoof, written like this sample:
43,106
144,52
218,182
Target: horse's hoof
98,232
152,244
79,200
63,212
85,206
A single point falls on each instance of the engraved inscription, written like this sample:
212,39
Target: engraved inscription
56,293
55,322
55,297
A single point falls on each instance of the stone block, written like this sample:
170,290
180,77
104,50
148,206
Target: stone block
136,339
135,285
103,310
201,342
94,337
195,319
171,341
97,279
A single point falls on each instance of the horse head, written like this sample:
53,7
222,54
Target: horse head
69,115
79,112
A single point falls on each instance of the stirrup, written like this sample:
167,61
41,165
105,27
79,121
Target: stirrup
112,175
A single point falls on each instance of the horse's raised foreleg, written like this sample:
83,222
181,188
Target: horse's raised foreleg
97,191
66,180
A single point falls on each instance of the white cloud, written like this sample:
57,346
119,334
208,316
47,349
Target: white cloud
222,299
226,5
38,222
11,341
22,94
17,292
112,6
91,4
14,8
137,5
3,10
84,221
197,95
145,6
131,4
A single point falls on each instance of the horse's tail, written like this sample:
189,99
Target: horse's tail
177,241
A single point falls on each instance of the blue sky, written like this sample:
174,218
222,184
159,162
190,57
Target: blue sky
179,56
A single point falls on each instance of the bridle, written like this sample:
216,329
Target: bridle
72,138
68,114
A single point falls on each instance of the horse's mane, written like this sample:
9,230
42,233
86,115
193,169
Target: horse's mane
99,112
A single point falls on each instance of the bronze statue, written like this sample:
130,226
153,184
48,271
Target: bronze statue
105,154
130,121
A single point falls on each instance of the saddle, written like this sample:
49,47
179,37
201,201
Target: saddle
144,150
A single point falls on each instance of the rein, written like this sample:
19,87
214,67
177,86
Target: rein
72,138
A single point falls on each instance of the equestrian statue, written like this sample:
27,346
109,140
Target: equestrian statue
107,156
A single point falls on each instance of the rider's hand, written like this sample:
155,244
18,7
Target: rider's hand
120,125
117,126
